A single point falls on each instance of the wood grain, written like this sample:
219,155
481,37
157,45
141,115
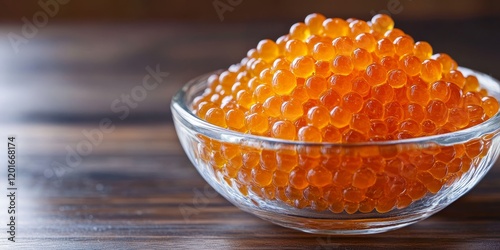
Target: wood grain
137,10
129,193
132,198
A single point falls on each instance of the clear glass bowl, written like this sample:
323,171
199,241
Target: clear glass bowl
415,178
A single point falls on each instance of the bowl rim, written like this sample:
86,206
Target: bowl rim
181,111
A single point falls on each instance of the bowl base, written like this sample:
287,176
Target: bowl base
337,227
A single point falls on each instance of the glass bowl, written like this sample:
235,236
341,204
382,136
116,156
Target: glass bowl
376,186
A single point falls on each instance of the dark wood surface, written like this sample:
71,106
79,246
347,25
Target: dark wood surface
202,10
131,191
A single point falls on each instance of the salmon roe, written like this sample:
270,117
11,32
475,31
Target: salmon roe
343,81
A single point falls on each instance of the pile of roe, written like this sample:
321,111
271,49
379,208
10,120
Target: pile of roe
343,81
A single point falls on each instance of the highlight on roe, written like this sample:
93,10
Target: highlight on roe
344,81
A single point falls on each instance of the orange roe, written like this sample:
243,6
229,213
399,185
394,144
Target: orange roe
343,81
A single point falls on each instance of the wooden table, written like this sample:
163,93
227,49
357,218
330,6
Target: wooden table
130,191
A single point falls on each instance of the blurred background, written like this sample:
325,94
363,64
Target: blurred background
86,53
65,65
